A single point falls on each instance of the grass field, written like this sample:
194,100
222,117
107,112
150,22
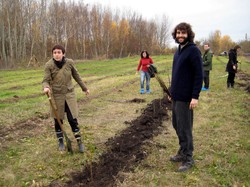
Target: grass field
29,155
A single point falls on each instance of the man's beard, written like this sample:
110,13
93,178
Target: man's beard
181,43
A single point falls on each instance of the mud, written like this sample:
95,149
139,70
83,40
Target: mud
135,100
125,150
246,78
24,129
17,98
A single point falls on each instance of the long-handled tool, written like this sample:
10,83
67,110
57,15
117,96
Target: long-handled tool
68,141
153,72
162,84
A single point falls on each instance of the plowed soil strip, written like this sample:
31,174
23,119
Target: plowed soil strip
125,150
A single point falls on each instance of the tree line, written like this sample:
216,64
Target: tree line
220,43
29,28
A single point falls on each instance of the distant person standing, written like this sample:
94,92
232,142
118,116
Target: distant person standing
57,81
185,89
207,66
232,65
144,64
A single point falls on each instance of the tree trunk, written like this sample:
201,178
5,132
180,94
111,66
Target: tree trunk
10,39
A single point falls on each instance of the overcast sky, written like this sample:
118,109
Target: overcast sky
231,17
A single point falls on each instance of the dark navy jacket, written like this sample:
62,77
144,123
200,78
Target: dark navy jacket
187,73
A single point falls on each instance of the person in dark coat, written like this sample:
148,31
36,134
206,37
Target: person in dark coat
57,81
187,77
232,65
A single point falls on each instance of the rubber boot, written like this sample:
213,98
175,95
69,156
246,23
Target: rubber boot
80,145
77,135
61,145
59,135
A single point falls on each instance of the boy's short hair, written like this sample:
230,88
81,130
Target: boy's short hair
58,47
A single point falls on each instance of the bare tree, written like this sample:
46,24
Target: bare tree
163,32
83,31
43,27
29,28
123,35
96,20
3,54
107,32
9,32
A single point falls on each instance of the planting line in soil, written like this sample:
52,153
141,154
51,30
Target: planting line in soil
125,150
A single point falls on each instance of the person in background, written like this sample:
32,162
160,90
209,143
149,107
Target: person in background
57,82
207,66
232,65
187,77
144,64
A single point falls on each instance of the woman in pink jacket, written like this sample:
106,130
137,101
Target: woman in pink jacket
144,63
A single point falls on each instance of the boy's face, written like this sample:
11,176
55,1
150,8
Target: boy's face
58,54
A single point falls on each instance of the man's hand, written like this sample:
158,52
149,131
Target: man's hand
169,98
46,90
87,92
193,103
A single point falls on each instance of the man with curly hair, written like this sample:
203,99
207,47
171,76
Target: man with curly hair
187,77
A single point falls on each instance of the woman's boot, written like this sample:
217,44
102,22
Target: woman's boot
61,145
79,141
80,145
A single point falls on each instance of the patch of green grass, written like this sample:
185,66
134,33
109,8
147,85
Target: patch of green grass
7,94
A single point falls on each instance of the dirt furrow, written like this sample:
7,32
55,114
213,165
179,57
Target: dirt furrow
125,150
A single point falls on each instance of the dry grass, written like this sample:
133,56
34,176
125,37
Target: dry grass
221,139
221,132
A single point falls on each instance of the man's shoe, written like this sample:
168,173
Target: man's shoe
148,91
177,158
186,165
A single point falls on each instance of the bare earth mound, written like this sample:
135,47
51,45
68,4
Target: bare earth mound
125,149
243,76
